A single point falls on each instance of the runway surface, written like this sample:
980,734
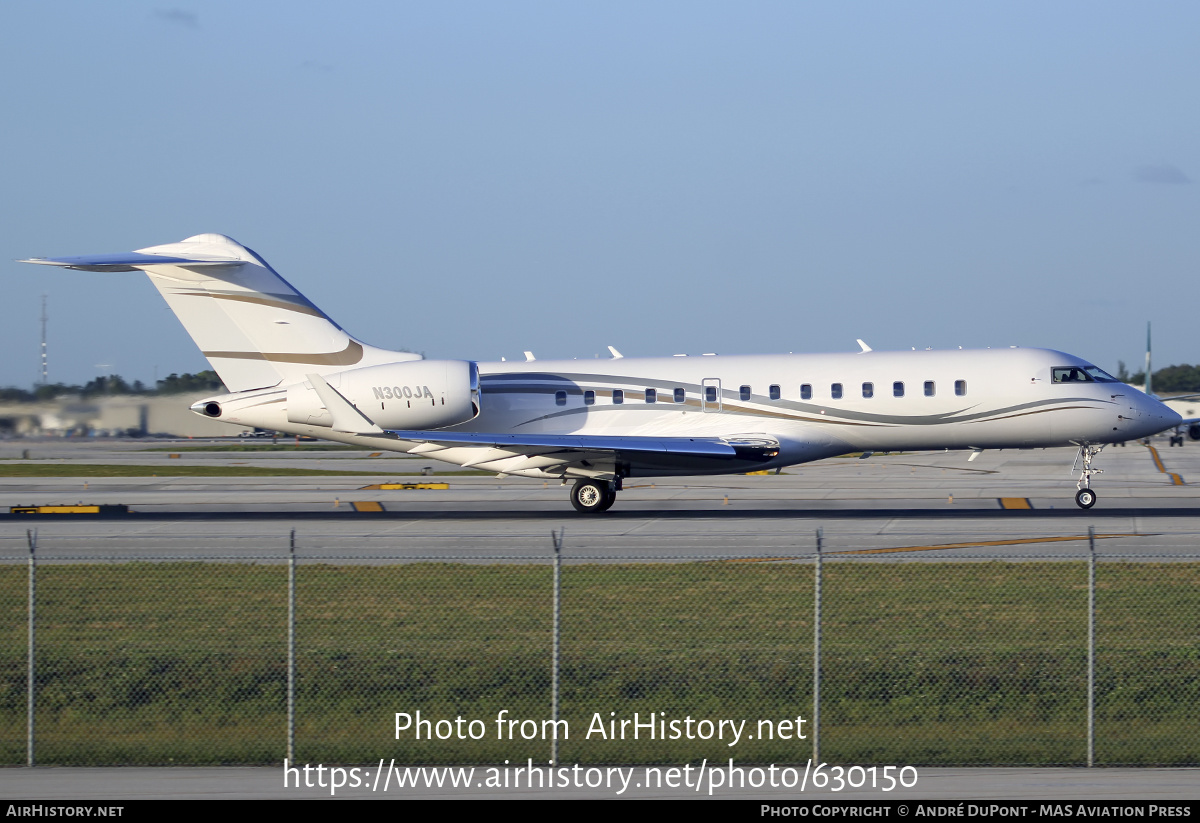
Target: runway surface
919,505
924,506
1095,787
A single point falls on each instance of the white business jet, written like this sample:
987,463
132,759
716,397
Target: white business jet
290,368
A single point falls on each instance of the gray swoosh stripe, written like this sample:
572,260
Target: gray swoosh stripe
730,399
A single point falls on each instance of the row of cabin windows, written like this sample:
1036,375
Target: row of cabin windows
806,393
618,397
836,390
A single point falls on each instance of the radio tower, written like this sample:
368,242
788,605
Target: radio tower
45,373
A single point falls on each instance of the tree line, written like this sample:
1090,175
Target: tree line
204,382
1170,379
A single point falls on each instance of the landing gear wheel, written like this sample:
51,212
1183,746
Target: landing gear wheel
591,496
1085,498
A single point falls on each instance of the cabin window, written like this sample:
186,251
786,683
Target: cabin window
745,393
710,394
806,391
774,391
589,398
560,398
868,389
929,388
651,396
835,391
618,397
680,396
898,389
960,388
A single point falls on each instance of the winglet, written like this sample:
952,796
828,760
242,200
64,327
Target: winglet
616,355
864,346
346,418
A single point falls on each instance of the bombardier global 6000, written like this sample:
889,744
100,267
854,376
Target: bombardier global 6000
289,368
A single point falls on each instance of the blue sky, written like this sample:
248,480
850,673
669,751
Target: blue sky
471,180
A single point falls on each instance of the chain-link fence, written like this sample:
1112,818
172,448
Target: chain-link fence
848,659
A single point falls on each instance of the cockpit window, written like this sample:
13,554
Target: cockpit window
1101,376
1081,374
1070,374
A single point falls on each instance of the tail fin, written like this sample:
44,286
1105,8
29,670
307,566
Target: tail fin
254,328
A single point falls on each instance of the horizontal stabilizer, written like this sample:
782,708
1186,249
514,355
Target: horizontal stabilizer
255,329
130,261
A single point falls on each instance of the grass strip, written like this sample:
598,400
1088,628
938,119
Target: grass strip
924,663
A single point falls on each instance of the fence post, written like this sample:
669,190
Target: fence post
291,650
1091,654
31,674
558,541
816,718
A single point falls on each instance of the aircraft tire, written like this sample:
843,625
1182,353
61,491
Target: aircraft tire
591,496
1194,431
1085,498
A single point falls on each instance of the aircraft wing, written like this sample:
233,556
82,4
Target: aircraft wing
1187,421
555,453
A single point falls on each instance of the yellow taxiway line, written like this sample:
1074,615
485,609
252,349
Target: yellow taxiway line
984,543
1176,480
944,547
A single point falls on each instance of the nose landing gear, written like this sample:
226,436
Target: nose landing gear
1085,498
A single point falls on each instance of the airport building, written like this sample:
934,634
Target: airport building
111,416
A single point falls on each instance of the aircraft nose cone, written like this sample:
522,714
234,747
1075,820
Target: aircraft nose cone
1154,417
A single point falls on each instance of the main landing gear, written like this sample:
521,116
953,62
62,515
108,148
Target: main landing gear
593,496
1085,498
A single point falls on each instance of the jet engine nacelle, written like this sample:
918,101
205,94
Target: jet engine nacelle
415,395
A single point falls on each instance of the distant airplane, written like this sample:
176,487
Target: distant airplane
1182,404
290,368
